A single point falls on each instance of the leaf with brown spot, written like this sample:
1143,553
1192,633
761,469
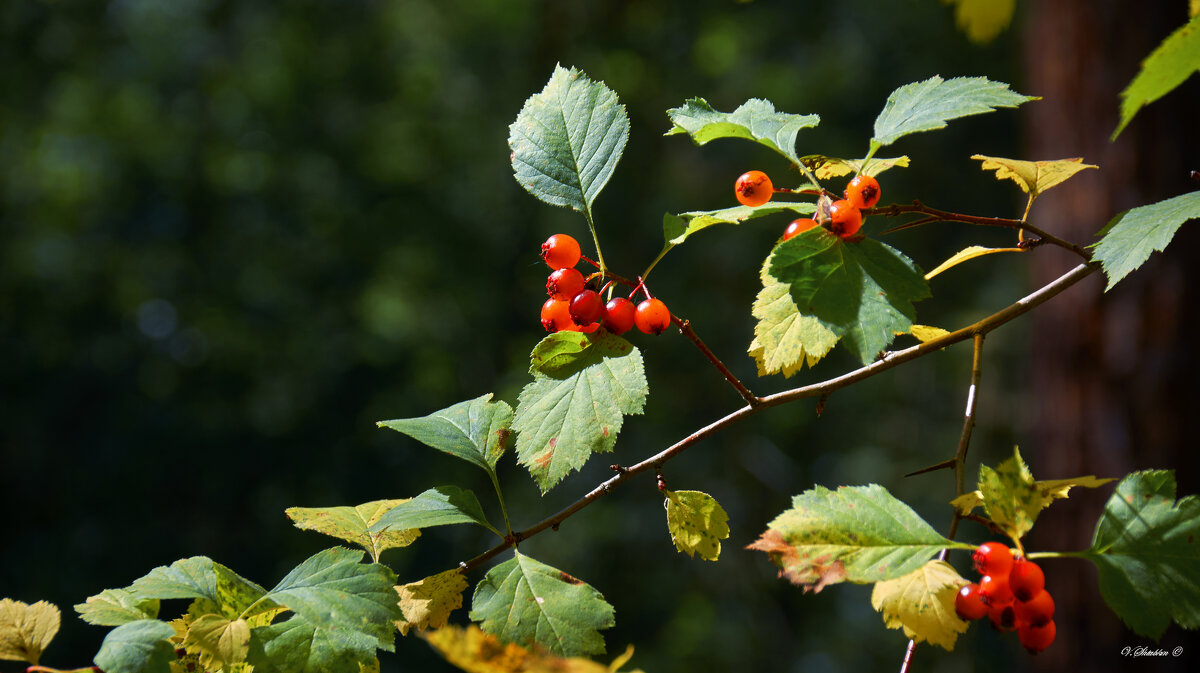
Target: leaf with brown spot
353,524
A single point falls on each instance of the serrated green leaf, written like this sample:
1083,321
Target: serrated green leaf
756,120
427,604
137,647
928,105
565,352
698,220
982,20
526,601
202,578
922,603
824,167
1147,548
862,292
1130,237
219,641
1168,66
113,607
784,339
1033,177
476,431
333,590
567,140
26,630
564,417
697,523
353,524
438,506
298,646
857,533
1012,498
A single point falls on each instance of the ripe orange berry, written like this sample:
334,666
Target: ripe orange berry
753,188
798,226
619,315
1038,610
1037,638
993,558
652,316
863,191
564,283
1002,616
561,251
556,315
845,219
969,604
1025,578
995,590
586,308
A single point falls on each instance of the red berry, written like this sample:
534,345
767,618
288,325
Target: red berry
995,590
993,558
845,219
556,315
863,191
1036,638
652,316
969,604
587,307
797,227
564,283
753,188
1025,578
1003,617
561,251
1037,610
619,315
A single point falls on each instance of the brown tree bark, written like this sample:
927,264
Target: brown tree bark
1111,373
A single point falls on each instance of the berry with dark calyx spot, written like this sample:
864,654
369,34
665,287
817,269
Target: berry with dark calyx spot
1003,617
863,191
844,219
1038,610
798,227
969,604
564,283
992,558
586,307
652,316
995,590
1036,638
619,315
561,251
753,188
556,315
1025,578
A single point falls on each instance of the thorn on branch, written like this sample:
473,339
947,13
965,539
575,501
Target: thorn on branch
944,465
617,468
662,483
554,527
821,403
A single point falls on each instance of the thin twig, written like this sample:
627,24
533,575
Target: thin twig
685,327
947,216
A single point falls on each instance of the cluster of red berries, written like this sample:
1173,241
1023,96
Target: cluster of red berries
1011,594
754,188
576,307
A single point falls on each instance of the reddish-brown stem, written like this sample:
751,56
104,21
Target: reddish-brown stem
937,215
685,327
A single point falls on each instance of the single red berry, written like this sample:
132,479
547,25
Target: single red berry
556,315
652,316
798,226
863,191
564,283
969,604
619,315
561,251
1025,578
1038,610
753,188
845,219
1003,617
1036,638
992,558
995,590
587,307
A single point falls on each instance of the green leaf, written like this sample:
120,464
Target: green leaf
922,603
1147,549
200,577
1033,177
784,339
928,105
438,506
1010,498
219,641
756,120
525,601
137,647
692,222
567,140
697,523
299,646
1130,237
824,167
982,20
863,292
1164,69
353,524
577,408
26,630
565,353
332,590
857,533
113,607
476,431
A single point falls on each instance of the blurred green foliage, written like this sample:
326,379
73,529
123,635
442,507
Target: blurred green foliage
235,235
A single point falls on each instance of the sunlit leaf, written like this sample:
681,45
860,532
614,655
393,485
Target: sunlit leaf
137,647
967,254
526,601
922,603
831,167
427,604
925,333
1129,238
1164,69
474,651
438,506
299,646
218,640
476,431
928,105
697,523
200,577
113,607
1033,177
26,630
1147,548
353,524
784,340
982,20
678,228
755,120
567,140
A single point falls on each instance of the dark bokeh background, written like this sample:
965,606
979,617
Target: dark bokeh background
233,236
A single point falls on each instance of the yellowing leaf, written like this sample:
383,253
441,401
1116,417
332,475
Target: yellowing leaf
1033,177
831,167
922,603
219,641
427,604
925,333
1193,7
967,502
784,339
697,523
26,630
474,651
982,20
1054,489
967,254
353,524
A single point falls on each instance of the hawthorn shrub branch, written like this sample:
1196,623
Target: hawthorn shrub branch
937,215
893,359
